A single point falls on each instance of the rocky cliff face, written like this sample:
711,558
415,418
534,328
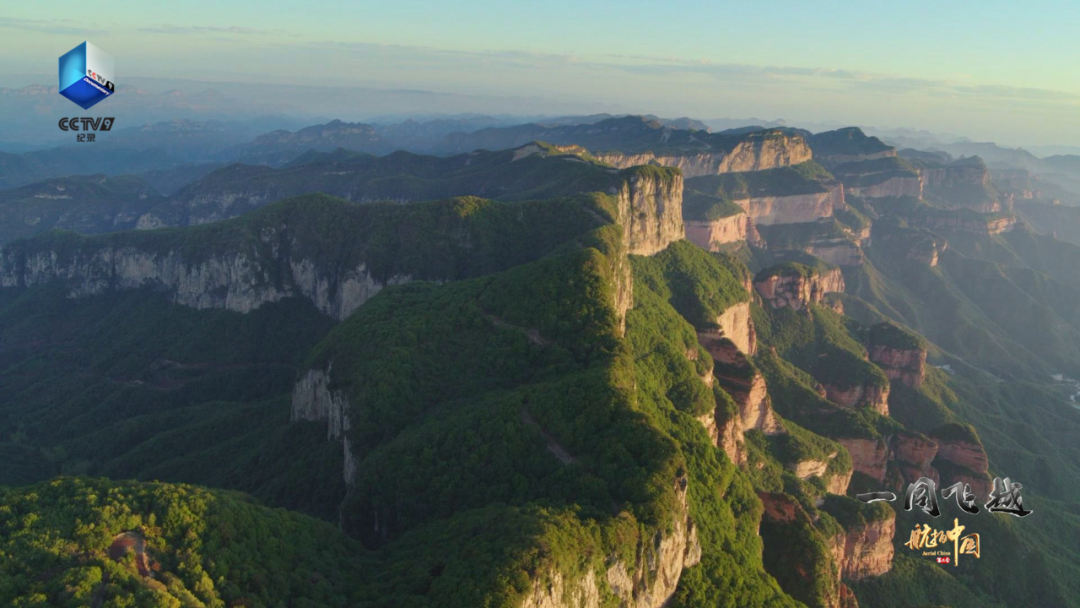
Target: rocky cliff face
927,251
963,184
660,561
233,280
797,291
650,211
865,551
712,234
913,454
907,366
737,325
796,209
984,226
892,187
841,159
313,400
963,461
838,251
751,155
868,456
728,348
860,395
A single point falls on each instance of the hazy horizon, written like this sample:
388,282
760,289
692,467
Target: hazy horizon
987,75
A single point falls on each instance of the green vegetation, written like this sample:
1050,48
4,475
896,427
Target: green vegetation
804,178
846,142
894,336
698,284
799,236
204,548
706,207
84,203
870,172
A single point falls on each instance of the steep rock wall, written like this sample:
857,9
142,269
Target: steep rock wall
860,395
313,400
233,281
892,187
754,155
913,454
650,211
712,234
867,550
659,562
907,366
796,209
796,292
983,227
868,456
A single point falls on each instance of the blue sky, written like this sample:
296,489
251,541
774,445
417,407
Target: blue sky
990,70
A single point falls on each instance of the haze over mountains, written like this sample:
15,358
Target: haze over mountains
603,360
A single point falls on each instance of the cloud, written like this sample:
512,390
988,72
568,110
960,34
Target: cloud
55,26
167,28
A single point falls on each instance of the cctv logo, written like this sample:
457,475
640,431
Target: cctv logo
86,74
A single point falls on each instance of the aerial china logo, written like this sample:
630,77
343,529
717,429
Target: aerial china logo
86,75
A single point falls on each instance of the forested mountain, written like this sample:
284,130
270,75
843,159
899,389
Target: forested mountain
636,366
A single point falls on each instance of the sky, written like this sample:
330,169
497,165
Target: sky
993,70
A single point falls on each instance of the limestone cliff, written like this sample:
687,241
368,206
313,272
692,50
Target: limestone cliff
868,456
984,225
313,400
866,550
870,395
647,583
233,280
964,183
712,234
737,325
892,187
905,365
961,459
796,286
799,208
755,154
659,561
650,211
912,454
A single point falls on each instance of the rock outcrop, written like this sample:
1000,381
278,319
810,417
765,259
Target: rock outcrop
232,280
868,456
712,234
728,348
964,183
796,286
866,550
754,154
892,187
927,251
737,325
962,460
904,365
983,226
659,563
912,454
650,211
313,400
838,251
785,528
553,591
873,396
795,209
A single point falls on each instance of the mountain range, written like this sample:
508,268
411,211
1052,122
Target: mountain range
608,363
